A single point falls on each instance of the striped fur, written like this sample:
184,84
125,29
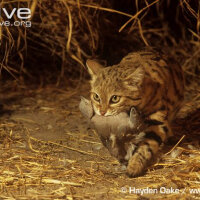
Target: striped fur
153,86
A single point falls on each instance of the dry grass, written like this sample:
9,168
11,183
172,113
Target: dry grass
69,32
77,167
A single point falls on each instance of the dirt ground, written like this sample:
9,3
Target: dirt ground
48,151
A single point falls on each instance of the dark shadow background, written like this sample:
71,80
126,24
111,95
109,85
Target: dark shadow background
39,55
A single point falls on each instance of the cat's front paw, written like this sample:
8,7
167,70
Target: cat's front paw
136,166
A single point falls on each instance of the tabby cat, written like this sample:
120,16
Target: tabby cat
153,86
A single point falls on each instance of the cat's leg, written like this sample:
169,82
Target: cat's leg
155,134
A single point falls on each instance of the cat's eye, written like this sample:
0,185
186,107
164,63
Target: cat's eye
96,97
115,99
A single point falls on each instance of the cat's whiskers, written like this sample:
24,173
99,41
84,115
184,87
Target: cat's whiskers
96,110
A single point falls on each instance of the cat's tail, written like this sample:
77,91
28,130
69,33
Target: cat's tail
192,97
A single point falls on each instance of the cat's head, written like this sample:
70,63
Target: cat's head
114,89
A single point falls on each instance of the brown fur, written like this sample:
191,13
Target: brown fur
146,81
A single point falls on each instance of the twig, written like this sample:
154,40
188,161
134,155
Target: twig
175,145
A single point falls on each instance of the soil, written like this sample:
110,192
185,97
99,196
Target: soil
49,152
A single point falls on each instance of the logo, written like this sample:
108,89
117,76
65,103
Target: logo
15,17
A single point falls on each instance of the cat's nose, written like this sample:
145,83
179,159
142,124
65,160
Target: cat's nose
103,112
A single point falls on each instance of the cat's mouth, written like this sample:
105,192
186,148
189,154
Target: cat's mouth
103,114
106,114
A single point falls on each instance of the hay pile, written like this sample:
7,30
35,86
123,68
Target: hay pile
64,33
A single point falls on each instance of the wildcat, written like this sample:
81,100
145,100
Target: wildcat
149,82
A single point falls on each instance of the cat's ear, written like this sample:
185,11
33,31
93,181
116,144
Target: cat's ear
93,67
135,77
